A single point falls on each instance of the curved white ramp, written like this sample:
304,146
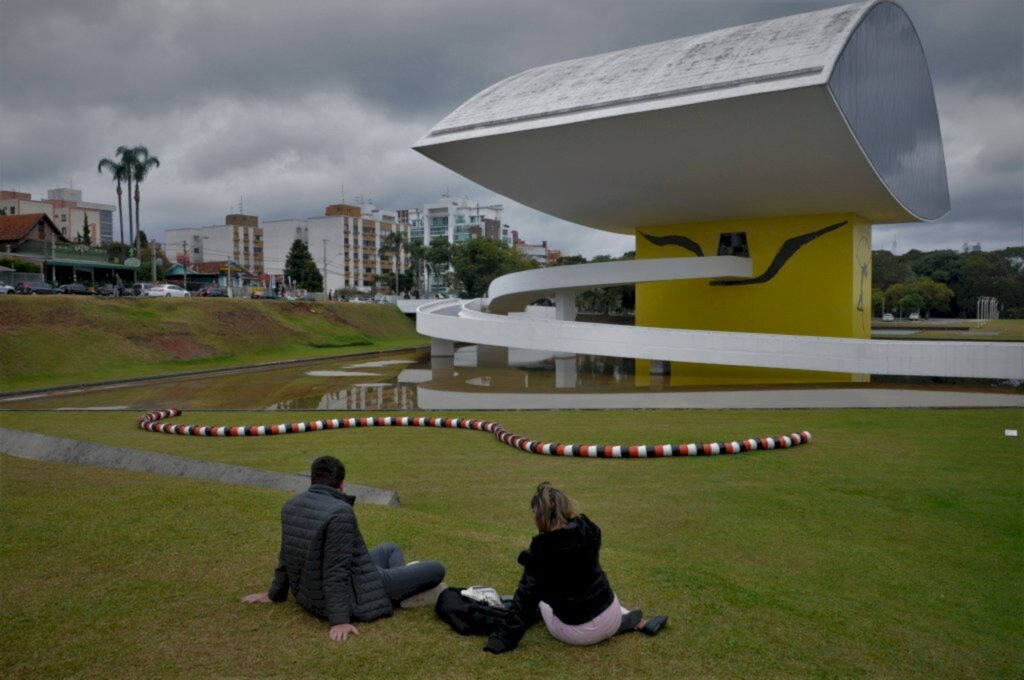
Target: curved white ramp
463,321
513,292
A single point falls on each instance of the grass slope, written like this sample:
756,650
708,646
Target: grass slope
56,340
892,546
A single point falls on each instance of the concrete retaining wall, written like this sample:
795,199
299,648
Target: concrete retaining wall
56,449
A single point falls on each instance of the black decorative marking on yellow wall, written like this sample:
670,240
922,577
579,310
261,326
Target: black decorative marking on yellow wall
786,250
680,241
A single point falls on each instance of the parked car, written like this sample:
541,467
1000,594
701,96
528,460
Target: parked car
138,289
212,291
913,316
106,290
266,295
888,317
167,290
35,288
74,289
7,290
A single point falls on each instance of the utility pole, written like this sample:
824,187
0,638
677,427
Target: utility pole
152,256
325,270
184,264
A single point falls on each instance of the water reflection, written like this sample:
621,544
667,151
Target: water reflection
359,397
532,380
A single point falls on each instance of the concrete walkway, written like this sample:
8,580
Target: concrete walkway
56,449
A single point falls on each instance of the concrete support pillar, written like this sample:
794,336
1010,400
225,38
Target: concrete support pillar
565,371
490,356
661,367
565,305
442,348
442,367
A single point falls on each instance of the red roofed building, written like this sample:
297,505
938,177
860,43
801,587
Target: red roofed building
33,237
16,229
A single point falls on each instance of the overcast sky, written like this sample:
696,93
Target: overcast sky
293,105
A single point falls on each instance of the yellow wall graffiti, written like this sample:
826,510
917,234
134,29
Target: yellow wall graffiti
812,276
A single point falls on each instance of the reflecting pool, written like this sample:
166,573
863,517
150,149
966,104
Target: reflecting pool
410,381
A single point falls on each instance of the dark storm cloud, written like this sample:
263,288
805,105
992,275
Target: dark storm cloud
286,102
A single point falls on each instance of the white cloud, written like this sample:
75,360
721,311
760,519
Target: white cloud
286,103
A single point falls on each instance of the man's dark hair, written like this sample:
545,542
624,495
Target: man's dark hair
327,470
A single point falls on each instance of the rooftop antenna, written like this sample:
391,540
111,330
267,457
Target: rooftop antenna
241,208
342,193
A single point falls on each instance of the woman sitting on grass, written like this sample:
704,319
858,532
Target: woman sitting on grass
563,578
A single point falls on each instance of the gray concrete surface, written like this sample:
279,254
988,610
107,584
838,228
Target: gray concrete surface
56,449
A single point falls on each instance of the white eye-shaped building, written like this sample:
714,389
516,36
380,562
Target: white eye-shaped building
750,164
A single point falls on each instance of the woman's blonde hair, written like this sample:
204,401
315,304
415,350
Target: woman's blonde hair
552,509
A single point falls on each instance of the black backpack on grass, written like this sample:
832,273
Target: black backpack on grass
467,616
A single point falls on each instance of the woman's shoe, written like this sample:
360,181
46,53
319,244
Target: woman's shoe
630,621
654,625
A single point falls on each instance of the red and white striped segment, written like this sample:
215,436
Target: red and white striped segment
152,422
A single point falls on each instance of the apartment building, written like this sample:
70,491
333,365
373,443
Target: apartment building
68,212
239,239
538,252
456,219
345,244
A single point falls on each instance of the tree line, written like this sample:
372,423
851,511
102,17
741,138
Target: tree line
947,283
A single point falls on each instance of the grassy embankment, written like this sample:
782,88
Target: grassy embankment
892,546
58,340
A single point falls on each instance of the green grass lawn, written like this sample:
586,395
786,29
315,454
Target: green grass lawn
56,340
892,546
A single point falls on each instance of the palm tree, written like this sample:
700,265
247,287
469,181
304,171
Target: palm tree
127,158
118,171
393,244
417,258
143,164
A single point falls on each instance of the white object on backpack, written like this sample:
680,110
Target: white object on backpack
482,594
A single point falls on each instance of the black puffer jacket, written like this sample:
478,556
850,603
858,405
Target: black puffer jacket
324,560
561,567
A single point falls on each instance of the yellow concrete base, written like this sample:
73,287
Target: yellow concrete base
812,276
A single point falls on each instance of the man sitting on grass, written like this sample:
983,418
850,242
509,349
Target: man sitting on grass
325,563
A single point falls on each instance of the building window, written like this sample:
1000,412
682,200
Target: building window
439,221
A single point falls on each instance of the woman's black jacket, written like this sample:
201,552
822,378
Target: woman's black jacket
561,567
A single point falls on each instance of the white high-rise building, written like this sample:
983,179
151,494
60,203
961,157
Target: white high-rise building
345,244
239,239
457,219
